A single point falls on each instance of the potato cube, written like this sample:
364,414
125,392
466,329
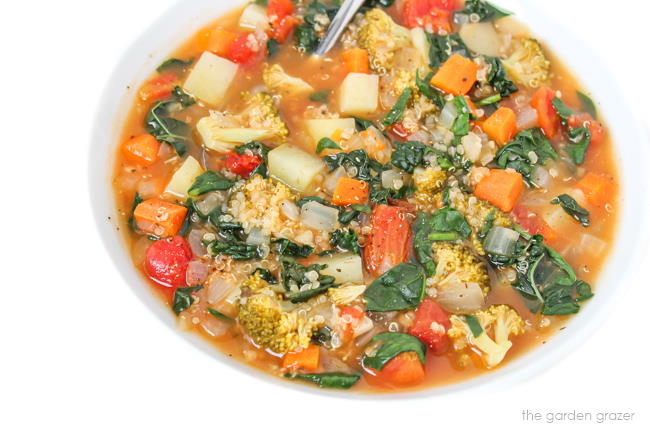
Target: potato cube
359,94
346,268
211,77
330,128
254,17
183,178
294,167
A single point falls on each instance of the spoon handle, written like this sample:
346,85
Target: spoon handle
343,17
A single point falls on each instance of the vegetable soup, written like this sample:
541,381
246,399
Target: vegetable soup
431,199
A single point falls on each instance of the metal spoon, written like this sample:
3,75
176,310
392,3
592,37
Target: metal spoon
343,17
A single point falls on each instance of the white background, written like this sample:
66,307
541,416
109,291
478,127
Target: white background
79,353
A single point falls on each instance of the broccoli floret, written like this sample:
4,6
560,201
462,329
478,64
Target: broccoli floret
262,113
527,64
261,316
381,36
457,263
430,180
487,330
278,81
346,294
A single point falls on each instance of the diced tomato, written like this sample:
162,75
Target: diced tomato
166,261
350,318
424,13
244,48
242,165
595,128
398,130
402,371
388,243
280,13
159,87
533,223
547,117
430,325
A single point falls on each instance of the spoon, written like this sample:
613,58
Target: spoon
343,17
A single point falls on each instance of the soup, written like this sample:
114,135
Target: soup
429,200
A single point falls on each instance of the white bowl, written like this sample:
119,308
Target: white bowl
184,18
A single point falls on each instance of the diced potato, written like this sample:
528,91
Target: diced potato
481,38
346,268
184,177
512,26
359,94
420,42
254,17
210,78
330,128
294,167
225,139
558,219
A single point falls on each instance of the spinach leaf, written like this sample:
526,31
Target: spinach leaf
362,208
401,288
396,113
448,221
487,224
391,344
285,247
579,138
137,199
261,2
272,47
433,94
166,129
485,10
529,149
322,96
358,165
174,63
345,240
460,128
571,207
328,380
209,181
326,143
588,105
441,47
498,78
258,149
362,124
407,156
183,298
294,276
220,315
266,275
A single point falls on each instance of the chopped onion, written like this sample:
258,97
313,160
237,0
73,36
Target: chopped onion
392,179
591,245
257,237
333,178
139,249
526,118
194,238
319,217
210,202
541,177
290,210
215,327
501,241
221,287
148,188
461,19
472,145
448,115
460,297
197,272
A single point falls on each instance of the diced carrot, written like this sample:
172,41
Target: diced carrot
502,188
306,359
356,60
547,117
159,87
220,41
159,217
501,126
402,371
598,189
201,39
350,191
456,76
142,149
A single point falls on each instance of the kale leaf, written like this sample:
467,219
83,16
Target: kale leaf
407,156
571,207
441,47
345,240
529,149
285,247
183,298
167,129
396,113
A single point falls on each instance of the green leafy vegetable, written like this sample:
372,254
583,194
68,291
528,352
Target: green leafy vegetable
209,181
285,247
396,113
183,298
326,143
220,315
529,149
579,138
238,250
266,275
294,275
306,36
587,105
272,47
401,288
407,156
571,207
345,240
498,78
165,128
303,201
485,10
460,128
174,63
493,99
322,336
441,47
367,169
322,96
362,124
137,199
433,94
361,208
258,149
328,380
389,345
474,325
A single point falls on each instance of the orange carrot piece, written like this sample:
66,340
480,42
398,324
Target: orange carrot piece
350,191
142,149
501,126
159,217
306,359
158,87
502,188
200,42
356,60
220,41
456,76
598,189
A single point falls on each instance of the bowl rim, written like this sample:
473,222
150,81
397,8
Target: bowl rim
618,270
